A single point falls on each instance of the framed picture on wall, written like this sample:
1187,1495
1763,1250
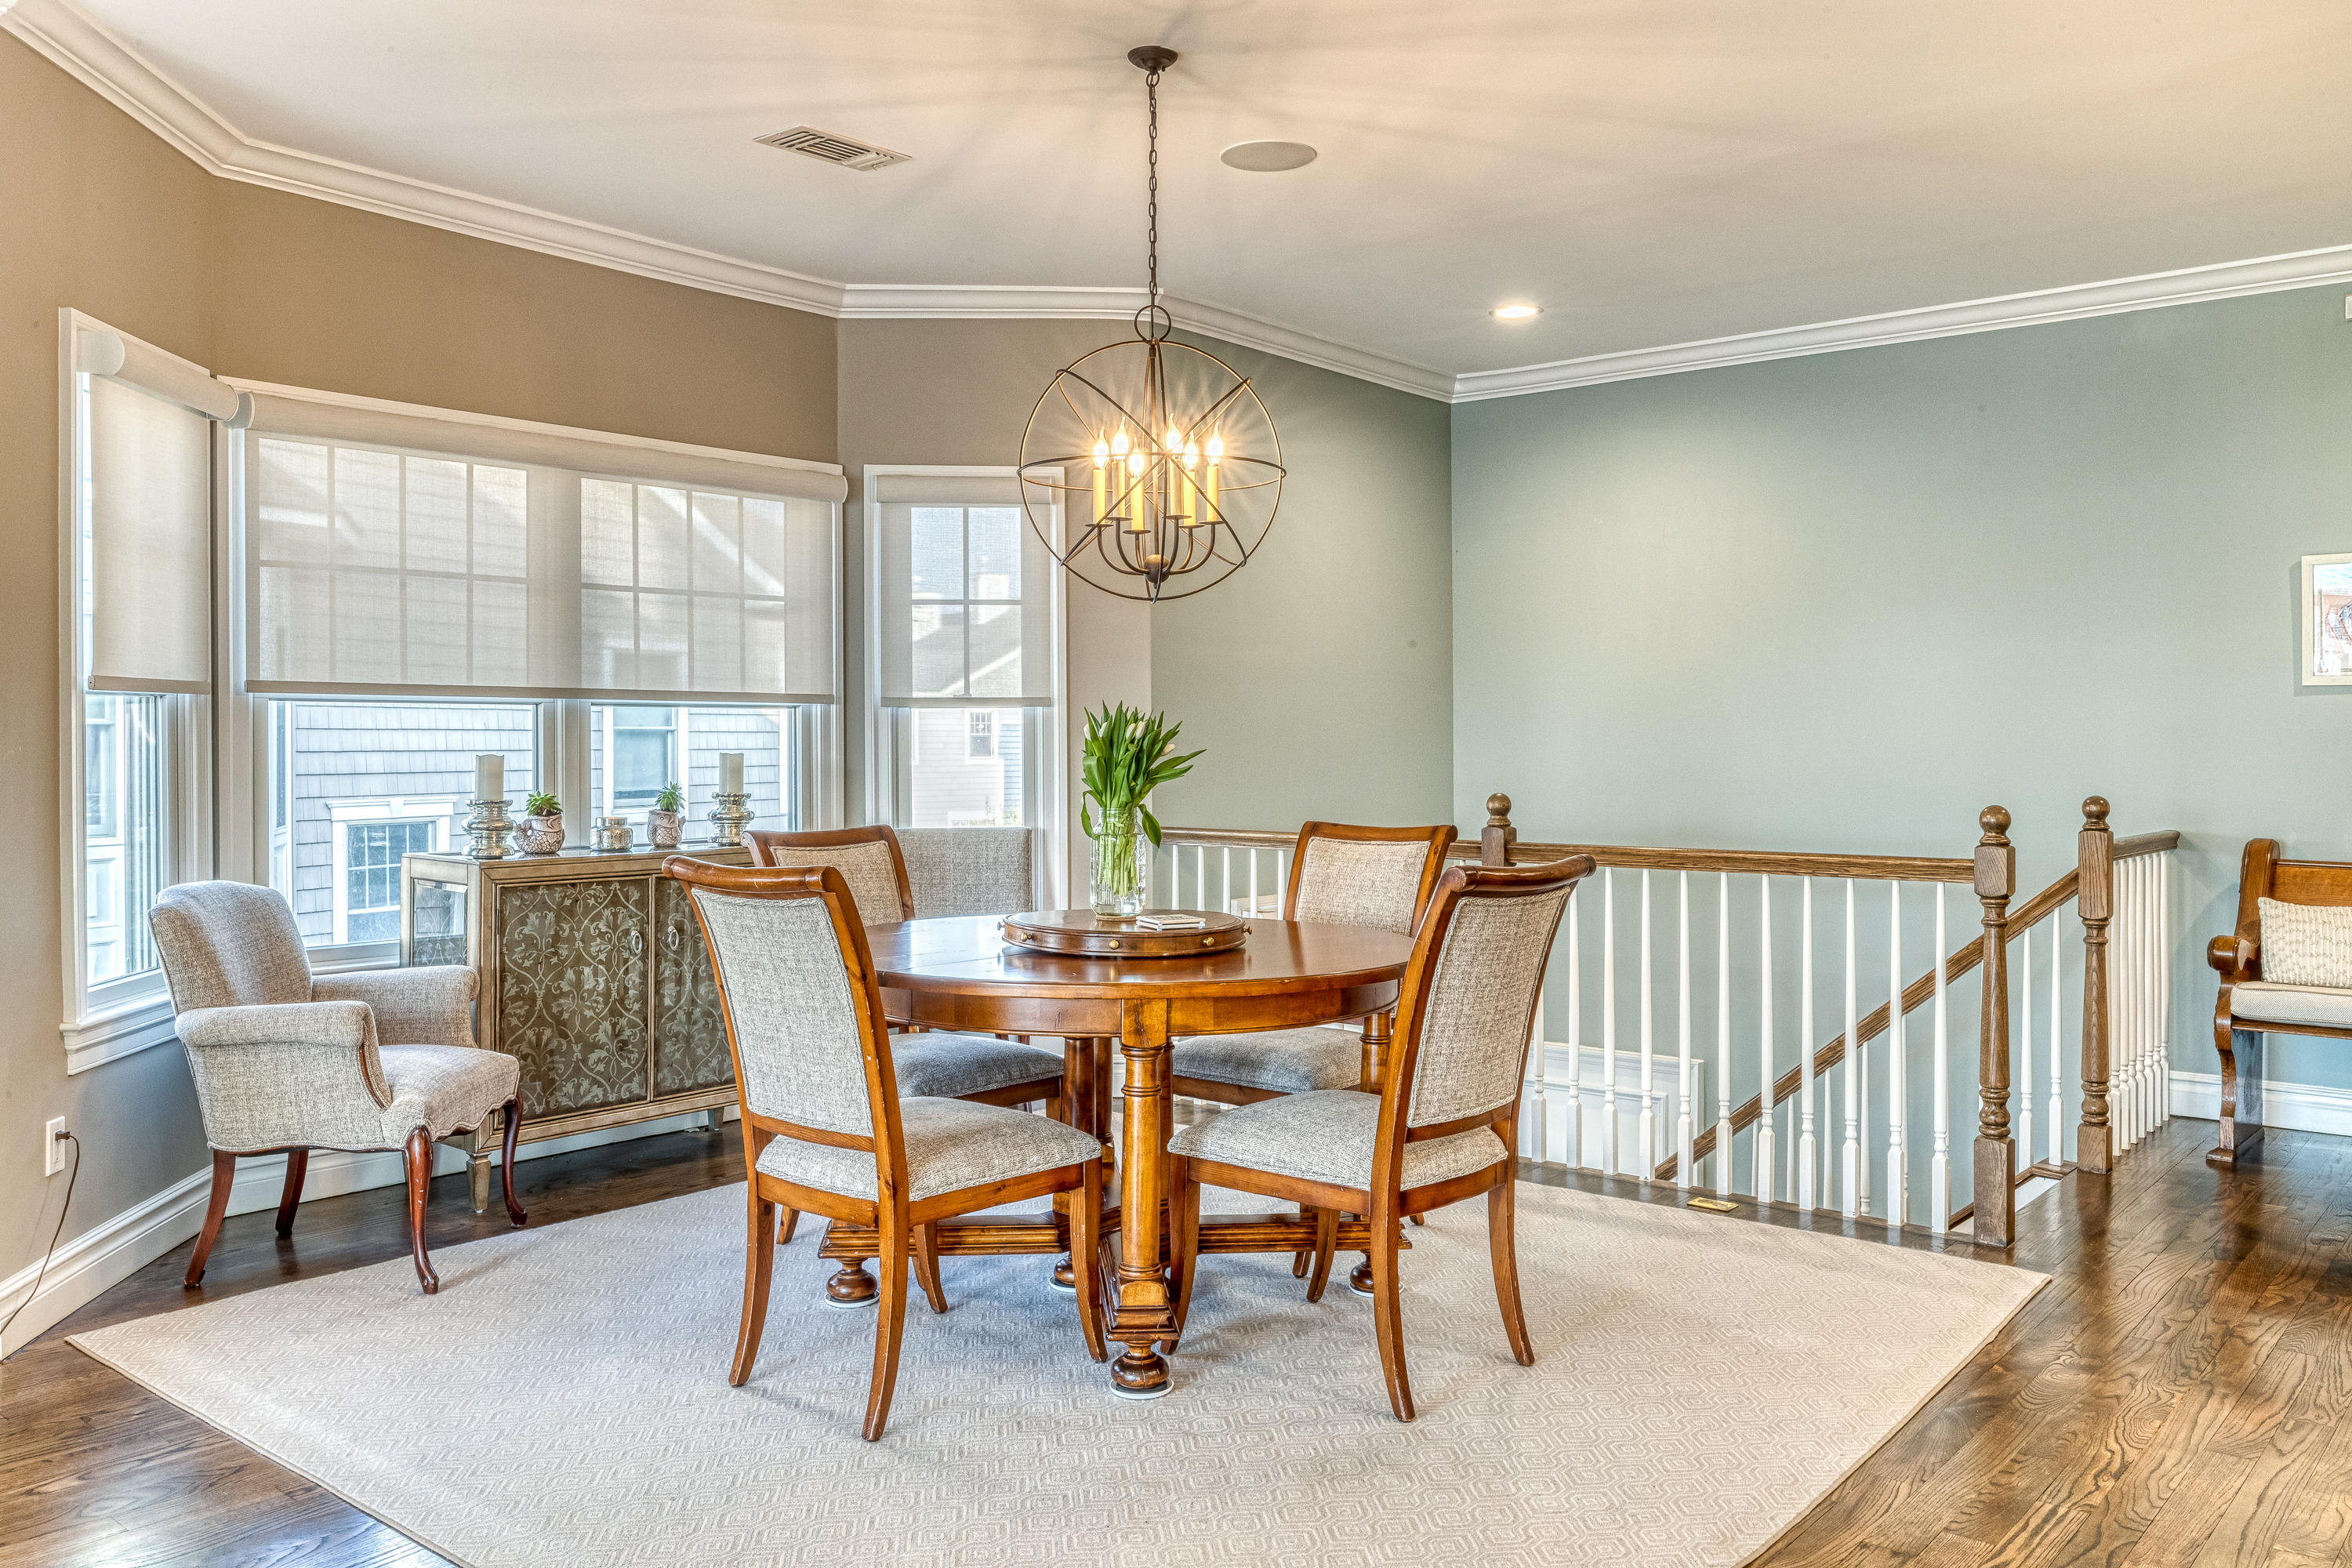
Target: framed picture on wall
2327,620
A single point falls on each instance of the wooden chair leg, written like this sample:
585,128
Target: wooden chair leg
1301,1259
927,1267
1502,1213
1387,1322
1418,1219
891,1324
759,1267
224,1177
511,1114
1184,1238
1327,1242
297,1163
787,1222
1086,1258
419,1159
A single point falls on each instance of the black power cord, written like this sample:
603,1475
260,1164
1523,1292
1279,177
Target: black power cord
60,1230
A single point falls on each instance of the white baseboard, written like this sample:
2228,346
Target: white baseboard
112,1250
2298,1106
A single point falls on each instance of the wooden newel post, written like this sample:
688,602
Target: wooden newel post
1495,840
1995,1222
2095,862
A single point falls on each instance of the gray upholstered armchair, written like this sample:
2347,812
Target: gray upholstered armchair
380,1060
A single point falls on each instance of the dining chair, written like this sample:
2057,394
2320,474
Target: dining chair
1378,877
969,870
824,1127
287,1061
1443,1127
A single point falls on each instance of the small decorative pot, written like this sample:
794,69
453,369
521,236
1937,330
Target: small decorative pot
667,827
1120,864
612,833
541,834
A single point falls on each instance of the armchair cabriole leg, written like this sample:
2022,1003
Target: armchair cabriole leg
419,1158
297,1164
224,1177
512,1115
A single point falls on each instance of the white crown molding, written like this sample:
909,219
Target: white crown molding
2153,290
60,32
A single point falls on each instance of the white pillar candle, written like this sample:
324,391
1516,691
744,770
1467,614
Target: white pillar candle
490,777
730,772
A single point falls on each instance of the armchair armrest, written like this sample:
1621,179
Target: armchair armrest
292,1074
429,1005
2234,958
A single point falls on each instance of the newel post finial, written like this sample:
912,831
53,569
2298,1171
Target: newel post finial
2095,901
1495,840
1995,1223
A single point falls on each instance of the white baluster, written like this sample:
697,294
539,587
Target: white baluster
2164,987
1225,880
1542,1071
1683,1176
1939,1164
1574,1151
1898,1184
2127,1006
1647,1140
1807,1149
1253,892
2057,1118
1609,1022
1851,1167
2025,1046
1764,1096
1723,1037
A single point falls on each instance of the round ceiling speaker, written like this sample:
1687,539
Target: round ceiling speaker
1267,157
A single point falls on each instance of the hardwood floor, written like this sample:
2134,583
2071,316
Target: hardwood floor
2181,1392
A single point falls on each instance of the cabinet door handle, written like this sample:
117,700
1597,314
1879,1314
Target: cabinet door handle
636,941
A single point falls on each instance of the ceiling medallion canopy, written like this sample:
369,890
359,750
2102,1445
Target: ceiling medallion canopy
1157,460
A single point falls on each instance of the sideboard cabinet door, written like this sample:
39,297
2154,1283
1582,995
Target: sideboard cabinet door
689,1039
571,991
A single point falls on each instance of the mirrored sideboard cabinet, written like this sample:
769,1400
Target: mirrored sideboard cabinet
593,974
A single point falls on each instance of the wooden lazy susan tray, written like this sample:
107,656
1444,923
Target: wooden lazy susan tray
1082,933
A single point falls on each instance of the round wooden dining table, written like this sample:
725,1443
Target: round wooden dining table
958,973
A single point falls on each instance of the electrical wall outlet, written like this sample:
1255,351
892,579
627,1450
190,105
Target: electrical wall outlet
53,1147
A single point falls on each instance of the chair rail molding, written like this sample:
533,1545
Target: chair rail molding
78,45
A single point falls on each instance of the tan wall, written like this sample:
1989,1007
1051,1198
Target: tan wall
97,214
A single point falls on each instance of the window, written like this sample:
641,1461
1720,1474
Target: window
965,652
365,783
645,754
135,514
652,747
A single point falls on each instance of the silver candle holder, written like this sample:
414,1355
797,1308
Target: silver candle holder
488,826
728,817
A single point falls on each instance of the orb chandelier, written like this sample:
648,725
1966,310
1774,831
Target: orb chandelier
1159,459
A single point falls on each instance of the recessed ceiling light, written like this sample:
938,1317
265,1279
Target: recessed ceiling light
1267,157
1516,312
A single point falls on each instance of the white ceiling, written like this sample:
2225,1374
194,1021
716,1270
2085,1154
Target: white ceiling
1650,171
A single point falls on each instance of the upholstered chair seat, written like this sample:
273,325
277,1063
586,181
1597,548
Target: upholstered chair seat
953,1067
2261,1002
1328,1135
286,1062
950,1144
1278,1061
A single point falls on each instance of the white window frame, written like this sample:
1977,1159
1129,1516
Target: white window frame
116,1017
1048,734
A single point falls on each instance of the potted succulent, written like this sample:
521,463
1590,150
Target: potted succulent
542,826
666,821
1127,757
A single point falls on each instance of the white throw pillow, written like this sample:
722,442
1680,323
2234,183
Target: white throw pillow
2307,945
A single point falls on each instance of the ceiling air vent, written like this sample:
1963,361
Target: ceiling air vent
811,143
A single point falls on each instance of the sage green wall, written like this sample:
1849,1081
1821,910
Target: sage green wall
1840,602
1321,677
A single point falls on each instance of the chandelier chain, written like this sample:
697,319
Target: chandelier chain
1152,225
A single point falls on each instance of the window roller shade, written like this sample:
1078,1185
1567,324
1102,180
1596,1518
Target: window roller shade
964,591
150,544
494,564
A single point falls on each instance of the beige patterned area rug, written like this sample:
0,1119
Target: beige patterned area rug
1699,1384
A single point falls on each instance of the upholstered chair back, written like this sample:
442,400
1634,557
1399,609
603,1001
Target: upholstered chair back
228,944
794,1018
969,870
868,859
1363,876
1478,979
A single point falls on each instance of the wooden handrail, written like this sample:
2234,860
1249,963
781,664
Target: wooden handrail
1746,862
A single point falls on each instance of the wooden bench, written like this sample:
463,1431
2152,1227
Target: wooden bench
2250,1006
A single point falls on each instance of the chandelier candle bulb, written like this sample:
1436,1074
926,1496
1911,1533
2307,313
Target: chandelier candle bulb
1102,463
